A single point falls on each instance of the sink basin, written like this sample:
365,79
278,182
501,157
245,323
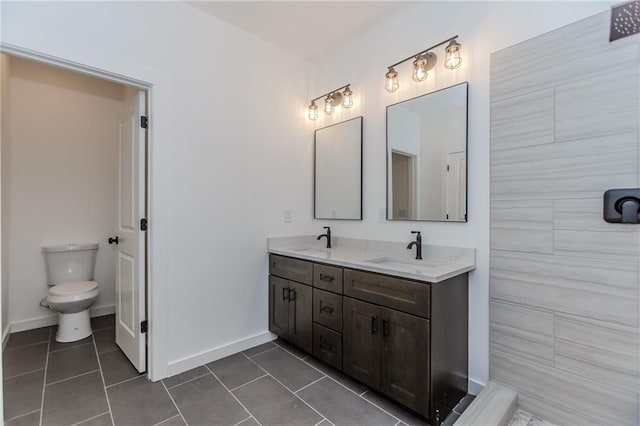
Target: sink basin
312,251
406,264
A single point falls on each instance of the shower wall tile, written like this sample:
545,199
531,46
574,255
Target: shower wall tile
602,351
523,121
576,169
564,284
522,226
589,288
525,332
597,106
577,51
577,399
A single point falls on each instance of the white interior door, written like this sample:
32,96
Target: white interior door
130,258
456,185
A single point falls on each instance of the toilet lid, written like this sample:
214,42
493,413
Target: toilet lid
68,289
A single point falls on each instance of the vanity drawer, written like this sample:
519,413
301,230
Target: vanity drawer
327,309
327,278
397,293
291,269
327,346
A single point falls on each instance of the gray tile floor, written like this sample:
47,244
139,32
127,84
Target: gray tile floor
91,383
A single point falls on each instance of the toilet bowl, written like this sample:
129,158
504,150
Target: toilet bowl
72,302
72,291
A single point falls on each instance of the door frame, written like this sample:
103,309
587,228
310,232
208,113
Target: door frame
151,82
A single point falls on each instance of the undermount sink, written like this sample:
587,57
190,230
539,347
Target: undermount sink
410,264
312,251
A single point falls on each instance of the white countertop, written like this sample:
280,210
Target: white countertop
439,262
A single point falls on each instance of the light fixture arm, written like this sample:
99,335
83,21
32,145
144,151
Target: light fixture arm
331,92
420,53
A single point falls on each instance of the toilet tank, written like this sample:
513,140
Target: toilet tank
69,262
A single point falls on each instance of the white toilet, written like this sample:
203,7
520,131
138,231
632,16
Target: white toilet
70,270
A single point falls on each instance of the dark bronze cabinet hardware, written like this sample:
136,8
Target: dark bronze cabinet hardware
324,345
328,278
385,327
374,325
113,240
326,308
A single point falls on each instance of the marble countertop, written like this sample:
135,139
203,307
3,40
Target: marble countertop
439,262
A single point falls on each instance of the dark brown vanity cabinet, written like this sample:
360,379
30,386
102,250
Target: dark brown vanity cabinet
388,351
290,305
404,338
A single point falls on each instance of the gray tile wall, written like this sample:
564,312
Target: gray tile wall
564,314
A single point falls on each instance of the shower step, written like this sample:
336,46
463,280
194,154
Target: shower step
495,405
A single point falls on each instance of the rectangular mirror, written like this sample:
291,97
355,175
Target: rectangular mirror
338,171
427,157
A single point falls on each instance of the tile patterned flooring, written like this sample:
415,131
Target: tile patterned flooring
90,382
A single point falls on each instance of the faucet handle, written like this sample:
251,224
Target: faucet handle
416,232
326,227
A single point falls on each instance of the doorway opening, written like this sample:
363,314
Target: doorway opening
404,185
74,170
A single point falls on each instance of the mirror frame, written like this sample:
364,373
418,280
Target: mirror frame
315,181
466,214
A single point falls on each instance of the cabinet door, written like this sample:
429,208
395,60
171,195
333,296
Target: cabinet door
279,306
300,316
405,359
361,341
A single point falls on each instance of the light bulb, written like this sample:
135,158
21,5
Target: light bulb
420,69
313,111
347,98
392,81
328,105
453,59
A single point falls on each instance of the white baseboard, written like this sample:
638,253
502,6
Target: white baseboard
474,386
52,319
5,335
185,364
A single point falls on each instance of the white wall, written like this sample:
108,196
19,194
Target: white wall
60,178
483,28
230,149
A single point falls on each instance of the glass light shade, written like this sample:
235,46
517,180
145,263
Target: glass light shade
328,106
347,98
313,111
420,69
453,59
392,81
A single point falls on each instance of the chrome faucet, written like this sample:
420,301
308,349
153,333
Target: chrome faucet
418,244
327,236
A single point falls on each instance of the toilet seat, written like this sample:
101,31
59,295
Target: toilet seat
69,292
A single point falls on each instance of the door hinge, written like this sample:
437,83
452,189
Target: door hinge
447,216
143,224
144,122
447,167
144,326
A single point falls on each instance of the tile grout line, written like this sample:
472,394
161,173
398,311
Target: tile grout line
324,376
72,377
166,420
248,383
260,353
174,404
71,347
180,384
283,385
22,415
124,381
243,420
231,393
44,379
22,374
24,346
104,386
90,418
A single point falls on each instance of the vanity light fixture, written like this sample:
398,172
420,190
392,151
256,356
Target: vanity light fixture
332,100
423,62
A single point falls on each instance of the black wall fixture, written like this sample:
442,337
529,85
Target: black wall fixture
625,20
622,205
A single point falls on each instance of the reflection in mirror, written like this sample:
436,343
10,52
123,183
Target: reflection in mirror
338,171
427,157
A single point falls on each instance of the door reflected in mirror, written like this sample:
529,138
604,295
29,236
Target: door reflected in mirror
427,157
338,171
